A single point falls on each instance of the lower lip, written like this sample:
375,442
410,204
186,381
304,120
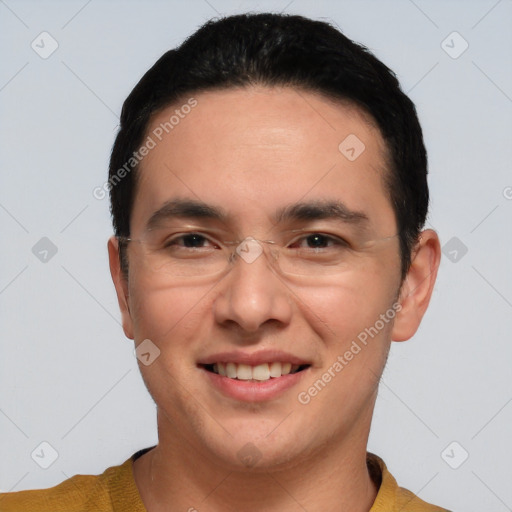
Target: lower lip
254,391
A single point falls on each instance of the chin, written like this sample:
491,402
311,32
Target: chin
255,450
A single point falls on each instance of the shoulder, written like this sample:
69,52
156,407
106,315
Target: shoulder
390,496
108,492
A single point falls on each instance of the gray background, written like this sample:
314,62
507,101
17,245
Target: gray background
67,374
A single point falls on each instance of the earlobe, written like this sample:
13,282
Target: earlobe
121,286
418,286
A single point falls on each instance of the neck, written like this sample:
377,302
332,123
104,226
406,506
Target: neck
334,478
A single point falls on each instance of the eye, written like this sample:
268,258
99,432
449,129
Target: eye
188,241
318,241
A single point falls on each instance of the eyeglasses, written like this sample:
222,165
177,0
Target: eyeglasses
187,252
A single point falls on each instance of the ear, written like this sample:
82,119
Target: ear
418,285
121,285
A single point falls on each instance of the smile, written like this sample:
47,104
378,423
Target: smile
258,373
254,377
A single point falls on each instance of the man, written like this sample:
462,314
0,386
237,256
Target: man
268,192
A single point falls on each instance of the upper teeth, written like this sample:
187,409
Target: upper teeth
260,372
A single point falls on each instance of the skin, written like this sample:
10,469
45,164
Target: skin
251,151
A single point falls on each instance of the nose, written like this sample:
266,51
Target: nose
252,294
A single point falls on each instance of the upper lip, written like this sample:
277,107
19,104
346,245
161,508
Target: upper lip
254,358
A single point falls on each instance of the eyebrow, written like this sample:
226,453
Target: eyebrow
185,208
321,210
302,211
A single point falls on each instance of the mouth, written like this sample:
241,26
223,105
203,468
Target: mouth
257,373
261,376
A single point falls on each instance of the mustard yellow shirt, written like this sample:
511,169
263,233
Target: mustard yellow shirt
115,491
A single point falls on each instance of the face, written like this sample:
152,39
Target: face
315,309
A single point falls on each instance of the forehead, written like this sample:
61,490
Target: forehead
252,151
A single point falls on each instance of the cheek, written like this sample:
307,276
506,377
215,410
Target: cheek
340,311
175,319
355,343
161,313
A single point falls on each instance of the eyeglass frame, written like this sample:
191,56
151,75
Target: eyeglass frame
263,243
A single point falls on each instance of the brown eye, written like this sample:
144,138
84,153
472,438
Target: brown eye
193,240
188,241
318,241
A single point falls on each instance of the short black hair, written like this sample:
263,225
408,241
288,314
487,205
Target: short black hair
280,50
